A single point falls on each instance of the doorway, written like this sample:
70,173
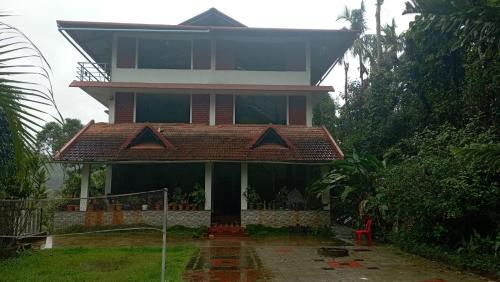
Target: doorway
226,193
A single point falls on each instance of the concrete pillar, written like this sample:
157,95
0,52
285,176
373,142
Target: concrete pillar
309,111
212,110
109,176
208,185
325,197
244,185
84,188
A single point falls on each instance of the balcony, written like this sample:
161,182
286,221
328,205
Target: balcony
88,71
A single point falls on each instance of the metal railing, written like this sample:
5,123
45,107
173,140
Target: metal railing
88,71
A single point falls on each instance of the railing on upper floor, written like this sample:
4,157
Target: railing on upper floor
88,71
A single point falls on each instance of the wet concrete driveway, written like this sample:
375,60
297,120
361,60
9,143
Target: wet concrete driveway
288,259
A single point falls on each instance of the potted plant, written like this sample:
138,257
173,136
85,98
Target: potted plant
135,202
178,198
252,197
198,196
282,198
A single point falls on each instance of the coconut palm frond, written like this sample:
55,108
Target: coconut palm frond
26,94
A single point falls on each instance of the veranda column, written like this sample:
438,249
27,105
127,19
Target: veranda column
244,185
208,186
109,176
84,188
325,197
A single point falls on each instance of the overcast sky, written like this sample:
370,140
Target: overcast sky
38,18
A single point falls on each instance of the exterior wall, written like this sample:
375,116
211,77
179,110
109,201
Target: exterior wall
283,218
124,107
200,108
224,109
65,219
297,110
210,76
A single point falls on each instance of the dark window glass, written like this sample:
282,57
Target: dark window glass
201,54
162,108
260,110
164,54
260,56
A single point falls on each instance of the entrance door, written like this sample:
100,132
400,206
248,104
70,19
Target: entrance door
226,193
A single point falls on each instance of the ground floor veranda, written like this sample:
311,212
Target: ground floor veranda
203,194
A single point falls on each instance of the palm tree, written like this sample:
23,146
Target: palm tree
378,29
25,96
357,21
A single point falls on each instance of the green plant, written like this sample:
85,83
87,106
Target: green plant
198,195
252,196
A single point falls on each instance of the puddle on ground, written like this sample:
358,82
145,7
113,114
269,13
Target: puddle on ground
231,261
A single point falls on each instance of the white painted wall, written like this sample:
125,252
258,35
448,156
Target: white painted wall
210,76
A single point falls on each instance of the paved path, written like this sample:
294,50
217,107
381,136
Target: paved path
299,260
286,259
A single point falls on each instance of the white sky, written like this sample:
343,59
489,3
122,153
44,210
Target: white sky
37,19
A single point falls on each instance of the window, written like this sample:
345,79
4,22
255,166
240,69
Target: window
260,56
162,108
164,54
260,110
202,52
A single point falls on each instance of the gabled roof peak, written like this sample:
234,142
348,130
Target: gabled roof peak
147,138
271,135
212,17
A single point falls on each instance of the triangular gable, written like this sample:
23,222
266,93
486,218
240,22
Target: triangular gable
147,138
212,17
271,135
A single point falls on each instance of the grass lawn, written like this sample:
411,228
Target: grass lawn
96,264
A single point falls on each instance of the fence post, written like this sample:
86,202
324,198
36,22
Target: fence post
164,247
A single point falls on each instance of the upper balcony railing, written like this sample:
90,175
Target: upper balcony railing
87,71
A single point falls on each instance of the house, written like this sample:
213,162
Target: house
208,103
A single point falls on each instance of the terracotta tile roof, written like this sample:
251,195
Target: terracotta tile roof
103,142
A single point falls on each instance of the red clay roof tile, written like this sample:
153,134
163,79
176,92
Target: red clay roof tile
102,142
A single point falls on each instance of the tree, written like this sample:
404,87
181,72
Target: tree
378,30
25,96
54,135
357,21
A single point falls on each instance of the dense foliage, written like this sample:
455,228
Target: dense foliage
431,111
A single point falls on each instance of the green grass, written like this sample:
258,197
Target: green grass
96,264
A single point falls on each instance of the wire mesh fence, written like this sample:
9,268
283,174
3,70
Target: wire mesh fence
22,218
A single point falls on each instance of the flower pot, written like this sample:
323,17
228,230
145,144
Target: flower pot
118,207
172,207
144,207
180,207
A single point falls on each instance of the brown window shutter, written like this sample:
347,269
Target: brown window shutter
202,53
125,53
124,107
223,109
200,105
224,59
297,110
296,57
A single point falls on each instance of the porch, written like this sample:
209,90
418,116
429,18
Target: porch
201,194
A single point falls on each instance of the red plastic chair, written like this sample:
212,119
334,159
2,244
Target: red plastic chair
367,232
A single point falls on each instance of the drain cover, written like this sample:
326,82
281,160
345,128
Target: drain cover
333,252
